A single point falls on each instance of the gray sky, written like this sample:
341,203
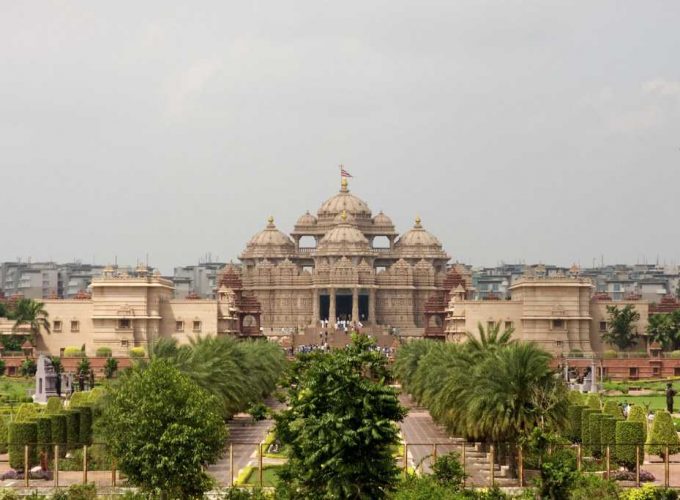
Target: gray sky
542,131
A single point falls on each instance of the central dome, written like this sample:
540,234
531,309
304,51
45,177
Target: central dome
344,239
344,201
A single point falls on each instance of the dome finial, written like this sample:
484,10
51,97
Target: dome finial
418,221
270,220
343,185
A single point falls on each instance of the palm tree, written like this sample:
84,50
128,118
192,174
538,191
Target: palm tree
621,331
31,312
489,339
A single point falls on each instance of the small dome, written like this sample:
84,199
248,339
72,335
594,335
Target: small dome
418,242
306,219
382,220
344,201
269,243
344,239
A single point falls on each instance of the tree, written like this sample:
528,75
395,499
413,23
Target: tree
28,368
162,429
489,339
84,366
621,331
340,427
4,312
664,328
31,312
110,367
662,435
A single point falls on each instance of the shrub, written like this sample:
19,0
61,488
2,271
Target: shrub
628,435
82,492
675,354
638,414
103,352
78,399
589,486
3,434
258,411
595,423
110,367
608,435
137,352
73,428
28,368
611,407
448,470
650,492
54,405
593,401
73,352
2,367
577,398
59,425
662,434
585,429
84,365
558,475
8,494
85,425
574,421
629,475
26,412
44,434
609,354
22,434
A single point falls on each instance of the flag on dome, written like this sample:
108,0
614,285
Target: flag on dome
344,173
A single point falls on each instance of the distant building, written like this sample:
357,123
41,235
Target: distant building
46,280
196,281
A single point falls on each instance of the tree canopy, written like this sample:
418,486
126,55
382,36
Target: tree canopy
162,428
29,312
340,428
621,330
664,328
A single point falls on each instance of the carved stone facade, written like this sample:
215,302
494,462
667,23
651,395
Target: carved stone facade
334,267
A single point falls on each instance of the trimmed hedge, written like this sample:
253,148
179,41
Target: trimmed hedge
593,401
103,352
44,434
85,425
638,414
59,432
73,428
628,435
595,423
611,407
577,398
585,429
3,434
662,434
54,405
27,412
79,399
574,419
20,435
608,435
73,352
610,354
137,352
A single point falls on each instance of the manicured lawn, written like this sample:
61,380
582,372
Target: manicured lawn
269,476
14,388
655,402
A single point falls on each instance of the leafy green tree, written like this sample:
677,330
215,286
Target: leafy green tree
621,326
664,328
32,313
340,428
110,367
84,366
162,429
448,471
662,435
28,368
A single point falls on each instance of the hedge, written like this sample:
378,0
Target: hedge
79,399
59,432
577,398
73,352
662,434
73,428
44,434
137,352
608,435
675,354
593,401
85,425
611,407
585,429
639,414
54,405
104,352
3,434
610,354
27,412
628,435
595,423
20,435
574,419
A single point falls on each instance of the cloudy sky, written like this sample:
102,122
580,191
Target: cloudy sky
537,131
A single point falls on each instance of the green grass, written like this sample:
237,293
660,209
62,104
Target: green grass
269,476
14,388
654,402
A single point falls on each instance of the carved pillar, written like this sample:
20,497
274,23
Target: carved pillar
371,307
355,305
332,316
315,307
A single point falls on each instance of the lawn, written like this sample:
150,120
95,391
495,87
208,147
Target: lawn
655,402
269,476
14,388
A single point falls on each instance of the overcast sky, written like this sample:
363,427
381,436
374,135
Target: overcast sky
536,131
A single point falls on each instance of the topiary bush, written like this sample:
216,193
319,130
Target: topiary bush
577,398
22,434
574,420
103,352
585,430
44,429
26,412
79,399
54,405
593,401
595,423
85,425
675,354
639,414
611,407
73,352
662,434
609,354
628,435
608,435
73,428
59,425
137,352
3,434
